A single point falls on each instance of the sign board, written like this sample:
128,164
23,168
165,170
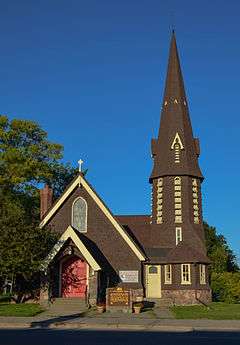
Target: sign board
128,276
119,297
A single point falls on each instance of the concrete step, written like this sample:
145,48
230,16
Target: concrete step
69,301
160,302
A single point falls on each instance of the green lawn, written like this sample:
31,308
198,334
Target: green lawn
27,309
216,311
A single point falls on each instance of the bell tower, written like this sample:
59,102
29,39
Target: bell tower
176,177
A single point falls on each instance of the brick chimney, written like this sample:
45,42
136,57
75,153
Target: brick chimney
46,200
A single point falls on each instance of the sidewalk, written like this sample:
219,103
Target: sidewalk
120,322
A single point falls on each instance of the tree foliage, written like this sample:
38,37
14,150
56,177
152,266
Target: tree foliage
221,255
224,270
27,159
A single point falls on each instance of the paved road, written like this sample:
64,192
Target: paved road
79,337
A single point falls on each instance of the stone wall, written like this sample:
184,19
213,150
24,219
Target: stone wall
188,297
92,288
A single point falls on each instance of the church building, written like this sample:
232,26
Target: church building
157,256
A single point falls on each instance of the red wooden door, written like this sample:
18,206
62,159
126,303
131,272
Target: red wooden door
74,277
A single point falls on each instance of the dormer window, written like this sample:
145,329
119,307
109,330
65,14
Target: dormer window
79,215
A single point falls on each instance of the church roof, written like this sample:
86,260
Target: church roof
184,252
79,180
175,127
138,227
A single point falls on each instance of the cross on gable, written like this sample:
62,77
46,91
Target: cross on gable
80,163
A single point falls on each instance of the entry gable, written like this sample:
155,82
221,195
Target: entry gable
71,234
81,181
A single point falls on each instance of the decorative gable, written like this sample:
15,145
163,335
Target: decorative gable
81,182
70,233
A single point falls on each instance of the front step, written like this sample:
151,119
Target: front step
67,306
160,302
69,301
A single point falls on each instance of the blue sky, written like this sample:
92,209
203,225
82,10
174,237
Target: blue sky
92,74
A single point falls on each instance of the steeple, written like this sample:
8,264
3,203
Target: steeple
175,151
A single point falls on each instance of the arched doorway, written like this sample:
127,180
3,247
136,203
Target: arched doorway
74,277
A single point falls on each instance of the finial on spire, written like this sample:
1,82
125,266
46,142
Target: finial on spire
80,163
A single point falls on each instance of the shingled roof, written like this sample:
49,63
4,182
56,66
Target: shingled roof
175,120
138,227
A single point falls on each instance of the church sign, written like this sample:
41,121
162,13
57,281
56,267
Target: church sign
128,276
118,297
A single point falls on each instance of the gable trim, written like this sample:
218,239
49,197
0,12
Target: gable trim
108,214
70,233
59,202
81,181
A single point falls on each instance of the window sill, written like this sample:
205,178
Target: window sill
186,283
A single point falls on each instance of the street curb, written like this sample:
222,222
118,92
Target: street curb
14,325
117,326
120,326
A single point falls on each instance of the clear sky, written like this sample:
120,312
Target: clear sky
91,73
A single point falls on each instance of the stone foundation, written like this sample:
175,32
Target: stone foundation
188,297
92,288
44,289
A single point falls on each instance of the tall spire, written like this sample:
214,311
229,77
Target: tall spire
175,151
174,87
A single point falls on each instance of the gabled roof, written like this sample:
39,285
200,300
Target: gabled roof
81,181
138,227
70,233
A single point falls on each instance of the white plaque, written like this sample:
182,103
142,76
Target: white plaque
128,276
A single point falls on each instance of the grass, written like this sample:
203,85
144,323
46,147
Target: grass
215,311
27,309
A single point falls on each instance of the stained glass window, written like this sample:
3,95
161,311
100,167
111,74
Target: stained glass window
79,215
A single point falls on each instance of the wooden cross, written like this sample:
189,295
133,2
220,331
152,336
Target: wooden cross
80,162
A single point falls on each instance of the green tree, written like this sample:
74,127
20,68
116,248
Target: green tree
27,159
221,256
23,245
224,270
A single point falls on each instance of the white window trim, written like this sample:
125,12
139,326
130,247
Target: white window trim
81,231
177,181
166,281
178,229
184,282
202,273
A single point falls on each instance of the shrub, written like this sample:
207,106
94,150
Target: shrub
226,286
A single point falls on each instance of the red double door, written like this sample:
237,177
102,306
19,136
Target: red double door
74,278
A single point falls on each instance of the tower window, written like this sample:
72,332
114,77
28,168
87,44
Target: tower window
196,218
168,274
177,180
202,272
185,274
178,235
159,200
177,199
79,214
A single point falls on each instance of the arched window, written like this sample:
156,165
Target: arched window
153,270
79,215
177,180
